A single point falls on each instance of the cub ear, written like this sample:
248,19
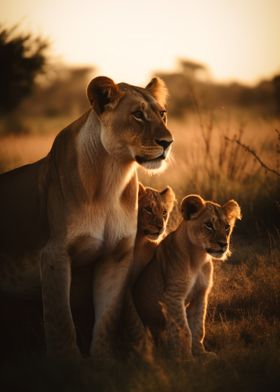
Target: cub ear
141,191
102,91
158,90
191,205
232,210
168,196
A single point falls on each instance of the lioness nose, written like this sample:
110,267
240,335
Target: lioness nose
164,142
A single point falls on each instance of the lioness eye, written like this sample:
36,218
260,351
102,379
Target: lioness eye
164,213
162,113
139,115
227,228
209,226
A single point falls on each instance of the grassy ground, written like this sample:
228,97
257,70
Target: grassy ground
243,322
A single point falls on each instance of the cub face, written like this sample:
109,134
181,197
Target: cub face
210,225
154,208
133,120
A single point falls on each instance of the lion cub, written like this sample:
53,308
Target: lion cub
154,208
171,293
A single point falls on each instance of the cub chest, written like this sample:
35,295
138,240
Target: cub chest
201,280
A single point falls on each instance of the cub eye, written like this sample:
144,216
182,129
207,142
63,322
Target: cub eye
148,210
164,213
227,228
209,226
138,115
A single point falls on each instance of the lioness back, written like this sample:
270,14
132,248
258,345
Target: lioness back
23,219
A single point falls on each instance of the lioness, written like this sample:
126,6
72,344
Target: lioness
79,205
171,293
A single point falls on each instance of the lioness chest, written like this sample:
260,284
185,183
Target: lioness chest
95,230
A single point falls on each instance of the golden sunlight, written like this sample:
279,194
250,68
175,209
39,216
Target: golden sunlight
74,204
237,40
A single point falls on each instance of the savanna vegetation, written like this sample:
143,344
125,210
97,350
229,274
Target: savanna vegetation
221,151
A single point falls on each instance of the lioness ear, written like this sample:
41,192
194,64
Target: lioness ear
168,196
232,210
102,91
141,191
158,90
191,205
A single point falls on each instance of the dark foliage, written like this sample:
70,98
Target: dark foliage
22,59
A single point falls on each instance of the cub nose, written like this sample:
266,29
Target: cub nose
222,244
164,142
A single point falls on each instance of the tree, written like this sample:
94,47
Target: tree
22,58
191,68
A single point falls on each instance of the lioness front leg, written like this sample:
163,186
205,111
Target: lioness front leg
58,323
178,333
109,284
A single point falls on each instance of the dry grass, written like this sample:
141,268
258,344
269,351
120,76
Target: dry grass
20,150
204,161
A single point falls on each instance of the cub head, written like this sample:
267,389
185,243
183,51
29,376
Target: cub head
154,208
133,120
209,225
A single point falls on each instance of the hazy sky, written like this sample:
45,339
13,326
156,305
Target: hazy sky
129,40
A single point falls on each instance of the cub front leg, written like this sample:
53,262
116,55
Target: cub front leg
196,312
109,285
139,337
196,315
58,323
178,333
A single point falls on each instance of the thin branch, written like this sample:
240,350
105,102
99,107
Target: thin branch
254,154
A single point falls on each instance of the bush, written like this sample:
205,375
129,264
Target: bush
22,59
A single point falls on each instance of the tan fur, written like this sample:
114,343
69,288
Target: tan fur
171,293
158,89
154,208
79,205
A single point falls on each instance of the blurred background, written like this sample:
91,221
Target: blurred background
221,62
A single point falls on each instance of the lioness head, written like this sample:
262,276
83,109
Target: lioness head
154,208
210,225
133,120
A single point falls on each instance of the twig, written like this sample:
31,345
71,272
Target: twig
253,152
